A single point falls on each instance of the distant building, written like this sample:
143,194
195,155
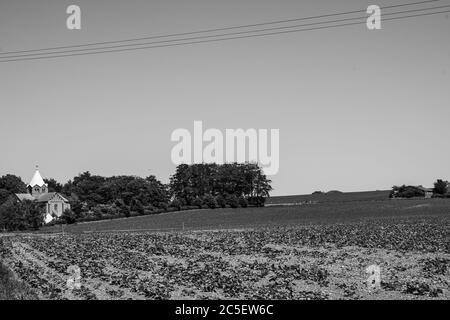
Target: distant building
55,204
428,192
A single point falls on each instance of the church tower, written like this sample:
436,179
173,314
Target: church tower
37,186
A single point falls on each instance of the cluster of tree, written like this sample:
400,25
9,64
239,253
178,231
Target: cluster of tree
127,190
25,215
95,197
230,184
441,189
405,191
9,185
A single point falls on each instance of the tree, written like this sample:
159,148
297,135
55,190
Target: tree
33,214
440,187
137,206
210,201
198,180
406,192
11,218
4,195
135,192
77,208
125,210
15,215
175,203
232,201
68,216
86,186
221,202
13,184
197,202
53,185
243,202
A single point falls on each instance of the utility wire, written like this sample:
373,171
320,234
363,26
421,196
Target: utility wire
218,35
217,29
49,55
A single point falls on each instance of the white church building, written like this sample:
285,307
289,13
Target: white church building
55,204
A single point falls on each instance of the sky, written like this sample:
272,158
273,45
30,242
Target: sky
356,109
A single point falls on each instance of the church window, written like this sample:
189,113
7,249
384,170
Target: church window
56,206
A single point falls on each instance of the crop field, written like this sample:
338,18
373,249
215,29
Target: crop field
298,261
319,213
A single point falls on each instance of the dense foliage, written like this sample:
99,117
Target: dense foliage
25,215
128,190
9,185
13,214
94,197
441,187
406,192
230,181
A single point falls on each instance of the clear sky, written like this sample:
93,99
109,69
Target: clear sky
356,109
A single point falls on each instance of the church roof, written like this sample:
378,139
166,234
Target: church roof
37,180
24,196
41,198
49,196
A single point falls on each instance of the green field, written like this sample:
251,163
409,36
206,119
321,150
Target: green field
331,197
321,213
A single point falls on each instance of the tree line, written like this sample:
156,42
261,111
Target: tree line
94,197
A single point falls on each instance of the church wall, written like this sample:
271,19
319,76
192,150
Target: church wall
57,207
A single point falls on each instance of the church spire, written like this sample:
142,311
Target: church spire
37,179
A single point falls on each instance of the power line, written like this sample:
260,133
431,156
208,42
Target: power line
216,29
220,35
49,55
211,40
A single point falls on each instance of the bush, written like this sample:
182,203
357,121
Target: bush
137,206
243,202
163,206
197,202
68,216
176,204
233,201
97,211
189,207
125,211
149,208
221,202
257,201
210,201
77,208
4,196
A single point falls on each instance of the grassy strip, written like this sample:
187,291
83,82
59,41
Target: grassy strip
12,289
